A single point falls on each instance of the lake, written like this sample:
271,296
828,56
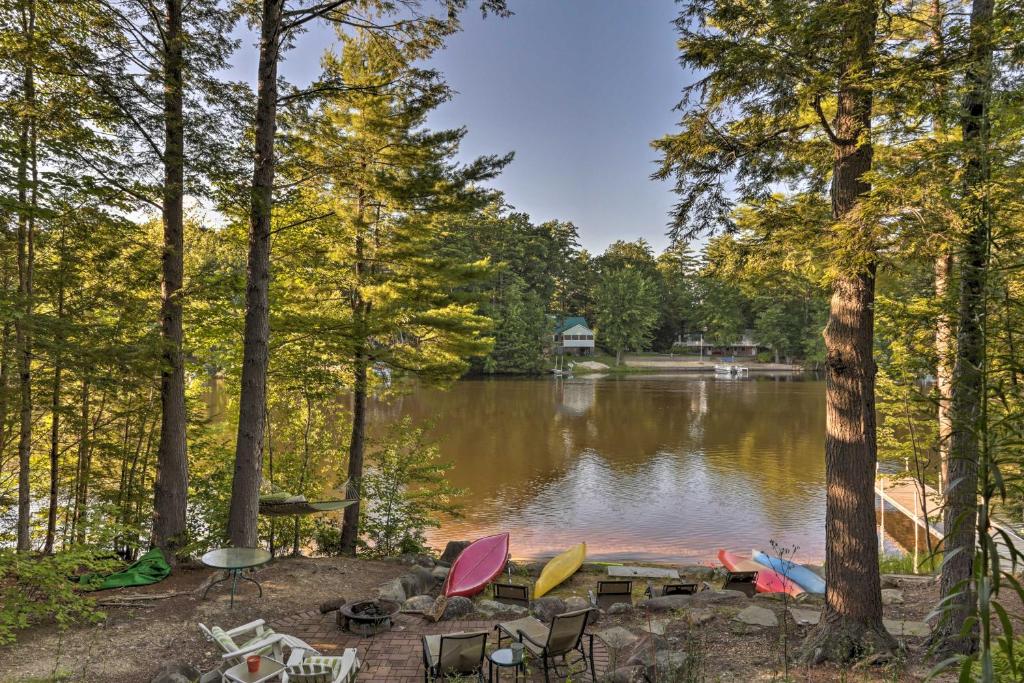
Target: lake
653,467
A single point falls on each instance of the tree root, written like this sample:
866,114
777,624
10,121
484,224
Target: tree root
841,640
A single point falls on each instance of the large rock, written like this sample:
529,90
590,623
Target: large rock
667,603
757,616
452,550
620,609
419,581
804,616
574,603
547,608
418,559
491,607
177,672
904,580
392,590
457,607
892,596
617,638
440,573
644,650
418,603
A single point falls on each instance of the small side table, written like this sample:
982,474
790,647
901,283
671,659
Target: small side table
503,658
269,668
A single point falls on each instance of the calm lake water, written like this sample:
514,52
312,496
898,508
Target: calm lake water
659,467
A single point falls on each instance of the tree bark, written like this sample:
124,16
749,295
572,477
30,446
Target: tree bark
357,444
960,516
944,347
58,367
84,469
302,472
245,485
170,498
851,621
26,261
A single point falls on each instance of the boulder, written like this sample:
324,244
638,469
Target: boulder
392,590
805,617
547,607
177,672
620,609
452,550
617,638
418,559
419,581
418,603
699,616
491,607
892,596
904,580
644,650
667,603
757,616
457,607
440,573
331,605
575,602
770,597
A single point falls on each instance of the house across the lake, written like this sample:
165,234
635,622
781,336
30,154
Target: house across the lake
572,336
698,344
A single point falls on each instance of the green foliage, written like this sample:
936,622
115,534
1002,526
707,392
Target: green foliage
39,589
627,310
522,332
406,490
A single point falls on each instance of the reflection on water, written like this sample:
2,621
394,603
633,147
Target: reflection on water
643,466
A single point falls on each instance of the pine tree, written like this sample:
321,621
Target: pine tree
381,194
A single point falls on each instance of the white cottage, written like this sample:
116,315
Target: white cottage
574,337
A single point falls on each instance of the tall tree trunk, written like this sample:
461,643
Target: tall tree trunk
84,469
356,448
26,261
171,491
960,515
58,367
944,347
245,486
302,472
851,621
943,273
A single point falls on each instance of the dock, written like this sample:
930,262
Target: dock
922,504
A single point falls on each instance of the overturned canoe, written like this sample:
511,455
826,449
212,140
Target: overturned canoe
798,574
476,566
768,580
560,568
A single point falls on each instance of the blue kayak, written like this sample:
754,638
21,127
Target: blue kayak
801,576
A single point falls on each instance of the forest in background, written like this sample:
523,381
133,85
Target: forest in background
160,227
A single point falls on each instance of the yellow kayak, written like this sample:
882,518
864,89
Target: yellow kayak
560,568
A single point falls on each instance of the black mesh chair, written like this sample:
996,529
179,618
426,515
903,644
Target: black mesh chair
454,655
679,589
611,592
511,594
744,582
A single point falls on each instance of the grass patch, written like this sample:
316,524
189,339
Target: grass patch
904,564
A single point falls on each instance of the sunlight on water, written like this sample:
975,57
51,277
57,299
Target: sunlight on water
667,467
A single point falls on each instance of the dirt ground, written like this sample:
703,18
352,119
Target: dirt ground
133,643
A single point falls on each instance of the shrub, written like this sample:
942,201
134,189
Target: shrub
404,492
34,589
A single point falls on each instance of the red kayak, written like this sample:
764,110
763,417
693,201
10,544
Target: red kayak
476,566
768,581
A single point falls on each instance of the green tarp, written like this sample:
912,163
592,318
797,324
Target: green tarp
150,568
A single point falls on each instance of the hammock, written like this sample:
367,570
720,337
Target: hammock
287,505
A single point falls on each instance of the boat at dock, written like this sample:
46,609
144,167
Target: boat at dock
730,369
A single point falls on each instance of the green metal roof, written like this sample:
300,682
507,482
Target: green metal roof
571,322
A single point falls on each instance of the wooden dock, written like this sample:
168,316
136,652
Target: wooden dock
924,508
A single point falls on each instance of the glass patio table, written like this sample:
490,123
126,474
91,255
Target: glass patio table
235,561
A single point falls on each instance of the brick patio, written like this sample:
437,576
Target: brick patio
396,656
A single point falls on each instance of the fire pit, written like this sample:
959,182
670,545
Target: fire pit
367,617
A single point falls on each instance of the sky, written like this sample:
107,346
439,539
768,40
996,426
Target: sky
576,88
